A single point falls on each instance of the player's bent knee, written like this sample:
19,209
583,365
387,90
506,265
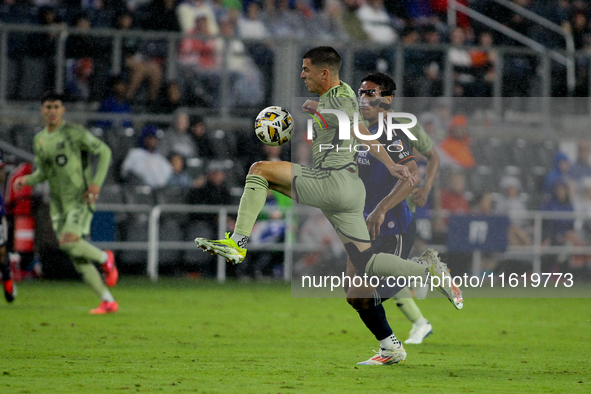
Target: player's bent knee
360,303
359,259
68,238
257,168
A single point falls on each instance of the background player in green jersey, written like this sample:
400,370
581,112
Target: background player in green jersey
62,153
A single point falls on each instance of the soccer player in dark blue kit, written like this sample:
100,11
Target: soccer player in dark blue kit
388,218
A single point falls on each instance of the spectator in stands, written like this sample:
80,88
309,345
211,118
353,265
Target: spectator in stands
330,22
169,99
251,25
439,8
455,148
558,231
430,84
201,138
81,50
139,66
484,63
558,174
246,79
190,10
282,21
115,103
214,192
582,167
414,61
453,198
42,46
160,15
376,22
179,176
177,139
581,31
484,204
509,202
145,163
351,22
200,61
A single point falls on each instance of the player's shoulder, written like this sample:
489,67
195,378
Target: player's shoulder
74,127
343,90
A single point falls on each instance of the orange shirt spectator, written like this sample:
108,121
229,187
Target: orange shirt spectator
457,144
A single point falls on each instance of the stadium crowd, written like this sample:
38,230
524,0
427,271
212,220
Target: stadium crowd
250,28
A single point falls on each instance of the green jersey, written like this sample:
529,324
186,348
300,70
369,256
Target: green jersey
422,144
62,158
328,151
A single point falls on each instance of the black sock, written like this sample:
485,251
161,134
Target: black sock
375,319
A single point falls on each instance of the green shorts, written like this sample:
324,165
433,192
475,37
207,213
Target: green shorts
340,195
74,219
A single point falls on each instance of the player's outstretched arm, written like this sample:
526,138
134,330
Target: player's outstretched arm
398,194
379,152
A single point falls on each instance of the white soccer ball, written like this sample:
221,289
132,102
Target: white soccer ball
273,125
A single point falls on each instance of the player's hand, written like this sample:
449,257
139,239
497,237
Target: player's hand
421,195
19,183
92,194
310,106
402,172
374,222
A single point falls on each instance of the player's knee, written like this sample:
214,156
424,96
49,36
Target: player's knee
67,239
358,258
360,303
257,168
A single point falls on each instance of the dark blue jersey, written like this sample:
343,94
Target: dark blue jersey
379,182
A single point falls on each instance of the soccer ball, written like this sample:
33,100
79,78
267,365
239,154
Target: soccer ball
273,126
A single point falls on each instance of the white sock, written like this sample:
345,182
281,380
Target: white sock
107,296
240,240
421,322
390,343
104,257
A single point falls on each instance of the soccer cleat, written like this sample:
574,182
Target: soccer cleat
386,357
9,290
431,260
419,332
105,307
110,270
226,248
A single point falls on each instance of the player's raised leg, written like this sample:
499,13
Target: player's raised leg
262,176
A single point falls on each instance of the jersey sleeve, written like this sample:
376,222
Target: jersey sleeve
423,143
90,143
400,149
40,173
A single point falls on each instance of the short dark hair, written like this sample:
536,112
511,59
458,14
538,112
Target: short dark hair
384,81
52,96
325,57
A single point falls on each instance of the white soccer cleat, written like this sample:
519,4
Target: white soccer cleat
419,332
436,268
386,357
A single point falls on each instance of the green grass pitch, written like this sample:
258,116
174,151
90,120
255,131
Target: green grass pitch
197,336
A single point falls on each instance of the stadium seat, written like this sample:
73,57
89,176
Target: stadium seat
138,195
170,230
171,195
33,82
111,194
223,144
134,230
22,137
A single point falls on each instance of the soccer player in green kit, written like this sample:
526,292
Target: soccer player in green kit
62,153
333,185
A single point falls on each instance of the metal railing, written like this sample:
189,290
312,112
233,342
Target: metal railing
153,245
